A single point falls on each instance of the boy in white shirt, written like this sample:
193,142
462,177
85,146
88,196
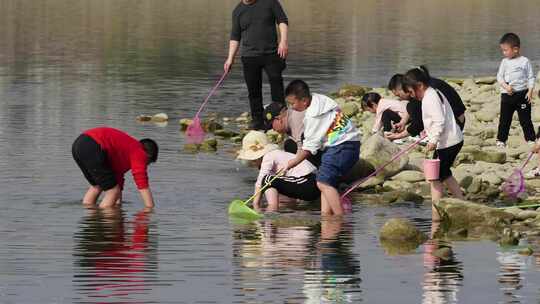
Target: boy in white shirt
325,127
297,183
516,78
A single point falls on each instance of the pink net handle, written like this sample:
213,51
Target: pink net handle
211,93
398,155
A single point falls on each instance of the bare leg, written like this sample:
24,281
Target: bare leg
272,197
436,195
453,186
332,198
91,196
111,196
325,207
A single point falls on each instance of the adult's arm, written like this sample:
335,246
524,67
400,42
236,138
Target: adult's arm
236,36
283,24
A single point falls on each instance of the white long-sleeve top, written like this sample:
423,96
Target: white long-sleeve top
516,72
439,121
325,125
400,107
274,159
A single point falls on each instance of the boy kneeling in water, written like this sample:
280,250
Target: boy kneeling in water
298,183
104,155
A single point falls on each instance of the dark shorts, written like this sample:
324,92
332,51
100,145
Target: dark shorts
337,161
93,162
304,188
447,157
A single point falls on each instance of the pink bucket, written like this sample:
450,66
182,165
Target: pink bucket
431,169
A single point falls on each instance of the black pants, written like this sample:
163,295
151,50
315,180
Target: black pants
389,117
291,146
510,104
93,162
273,65
447,156
304,187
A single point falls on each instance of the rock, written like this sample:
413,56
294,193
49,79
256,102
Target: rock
397,229
476,218
513,210
487,115
160,117
526,214
409,176
184,123
485,80
143,118
491,178
350,109
473,141
191,147
209,145
475,185
489,156
532,183
210,125
469,149
443,253
508,240
528,251
225,133
465,182
349,90
377,150
401,196
469,84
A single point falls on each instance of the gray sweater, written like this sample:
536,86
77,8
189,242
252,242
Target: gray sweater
516,72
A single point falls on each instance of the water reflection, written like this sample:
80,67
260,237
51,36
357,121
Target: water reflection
112,261
510,277
443,272
277,258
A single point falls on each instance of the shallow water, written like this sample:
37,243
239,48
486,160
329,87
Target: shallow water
67,66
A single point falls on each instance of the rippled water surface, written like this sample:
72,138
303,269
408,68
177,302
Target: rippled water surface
70,65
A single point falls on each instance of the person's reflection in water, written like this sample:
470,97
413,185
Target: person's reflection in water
443,275
510,276
113,263
333,276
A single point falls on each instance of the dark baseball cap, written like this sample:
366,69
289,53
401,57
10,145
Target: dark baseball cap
271,112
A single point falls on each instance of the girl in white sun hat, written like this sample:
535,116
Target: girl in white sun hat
298,182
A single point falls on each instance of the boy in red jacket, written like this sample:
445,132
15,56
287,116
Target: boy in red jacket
105,155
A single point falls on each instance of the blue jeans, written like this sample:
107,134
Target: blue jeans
337,161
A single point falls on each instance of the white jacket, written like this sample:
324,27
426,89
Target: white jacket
439,121
325,125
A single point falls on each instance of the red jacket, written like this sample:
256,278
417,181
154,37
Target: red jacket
124,153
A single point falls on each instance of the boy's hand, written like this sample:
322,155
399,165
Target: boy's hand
529,96
508,89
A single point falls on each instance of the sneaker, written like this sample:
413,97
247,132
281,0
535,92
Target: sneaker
533,173
500,144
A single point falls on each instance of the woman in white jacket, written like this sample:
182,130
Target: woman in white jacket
443,133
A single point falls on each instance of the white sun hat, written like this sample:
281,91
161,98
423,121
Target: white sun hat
255,145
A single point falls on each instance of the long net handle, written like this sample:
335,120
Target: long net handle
527,160
211,93
398,155
280,173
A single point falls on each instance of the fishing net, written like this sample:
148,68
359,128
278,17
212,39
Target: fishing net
195,133
514,184
239,208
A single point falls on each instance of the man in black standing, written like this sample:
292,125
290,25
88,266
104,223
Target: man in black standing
254,24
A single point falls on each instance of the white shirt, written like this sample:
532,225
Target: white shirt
516,72
439,121
279,158
325,125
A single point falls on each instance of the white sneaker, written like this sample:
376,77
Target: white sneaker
500,144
